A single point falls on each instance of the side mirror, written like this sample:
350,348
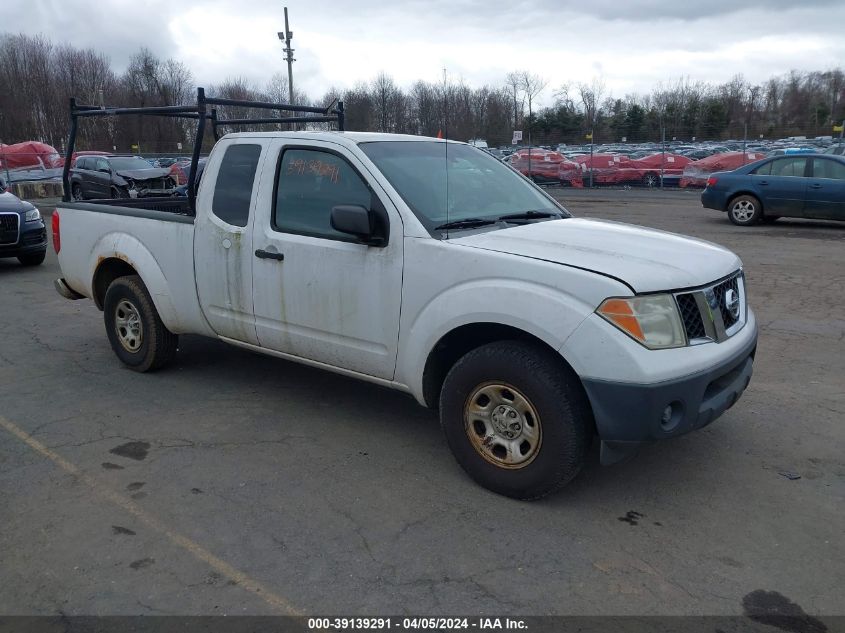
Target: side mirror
355,220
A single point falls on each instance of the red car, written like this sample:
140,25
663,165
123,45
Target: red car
544,164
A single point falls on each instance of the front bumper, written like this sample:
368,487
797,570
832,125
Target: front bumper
629,414
31,239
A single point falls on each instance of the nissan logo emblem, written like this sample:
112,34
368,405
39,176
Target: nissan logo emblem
732,302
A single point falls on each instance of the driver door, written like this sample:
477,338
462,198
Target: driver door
320,294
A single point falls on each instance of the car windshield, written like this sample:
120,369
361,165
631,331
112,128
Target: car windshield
449,182
129,162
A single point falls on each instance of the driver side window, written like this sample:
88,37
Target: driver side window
309,184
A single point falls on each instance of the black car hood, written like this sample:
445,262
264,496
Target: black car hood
143,174
11,203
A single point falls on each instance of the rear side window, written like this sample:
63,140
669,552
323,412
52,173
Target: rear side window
233,189
764,170
823,168
789,167
82,163
310,183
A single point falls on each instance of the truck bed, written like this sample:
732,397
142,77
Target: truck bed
126,206
158,243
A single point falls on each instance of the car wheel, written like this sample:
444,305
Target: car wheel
516,419
135,330
745,210
651,180
32,259
119,192
76,192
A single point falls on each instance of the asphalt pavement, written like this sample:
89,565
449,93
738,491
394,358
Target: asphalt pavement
234,483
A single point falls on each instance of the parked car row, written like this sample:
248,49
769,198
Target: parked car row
651,164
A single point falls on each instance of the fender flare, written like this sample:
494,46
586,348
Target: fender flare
130,250
472,302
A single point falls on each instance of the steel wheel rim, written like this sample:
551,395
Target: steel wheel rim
127,325
502,425
743,210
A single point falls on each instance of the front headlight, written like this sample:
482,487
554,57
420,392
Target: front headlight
32,215
653,320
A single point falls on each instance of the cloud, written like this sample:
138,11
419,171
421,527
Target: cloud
633,44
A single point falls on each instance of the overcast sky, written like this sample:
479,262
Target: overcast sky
631,44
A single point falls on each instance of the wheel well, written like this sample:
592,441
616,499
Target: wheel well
461,340
107,271
744,193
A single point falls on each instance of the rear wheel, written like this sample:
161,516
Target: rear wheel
32,259
76,192
135,330
516,419
745,210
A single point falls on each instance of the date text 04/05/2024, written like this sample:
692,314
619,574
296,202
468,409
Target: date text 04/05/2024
410,623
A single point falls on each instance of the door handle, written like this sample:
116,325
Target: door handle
764,182
262,254
815,185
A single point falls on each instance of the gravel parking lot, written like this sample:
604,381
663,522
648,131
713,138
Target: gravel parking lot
235,483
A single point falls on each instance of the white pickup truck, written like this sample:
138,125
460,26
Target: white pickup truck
429,267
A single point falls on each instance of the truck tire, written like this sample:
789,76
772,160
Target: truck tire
136,332
516,419
745,210
32,259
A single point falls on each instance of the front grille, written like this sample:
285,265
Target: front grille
155,183
720,290
9,228
706,313
691,316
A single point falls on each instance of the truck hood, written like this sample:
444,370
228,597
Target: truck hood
143,174
647,260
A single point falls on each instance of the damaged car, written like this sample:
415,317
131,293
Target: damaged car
98,177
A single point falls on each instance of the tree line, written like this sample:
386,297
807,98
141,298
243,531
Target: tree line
37,77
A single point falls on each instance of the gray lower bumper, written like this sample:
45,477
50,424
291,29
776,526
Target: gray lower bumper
628,415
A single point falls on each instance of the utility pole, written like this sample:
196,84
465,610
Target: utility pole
287,38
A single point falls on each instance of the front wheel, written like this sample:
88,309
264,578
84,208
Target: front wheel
135,330
651,180
516,419
119,192
745,210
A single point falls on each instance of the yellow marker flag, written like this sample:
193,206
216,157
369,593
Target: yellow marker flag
837,128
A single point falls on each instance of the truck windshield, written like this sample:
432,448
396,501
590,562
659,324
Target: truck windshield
462,183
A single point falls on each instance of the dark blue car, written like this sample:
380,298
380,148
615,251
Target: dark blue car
798,186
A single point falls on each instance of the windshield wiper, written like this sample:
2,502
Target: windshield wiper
466,223
531,215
